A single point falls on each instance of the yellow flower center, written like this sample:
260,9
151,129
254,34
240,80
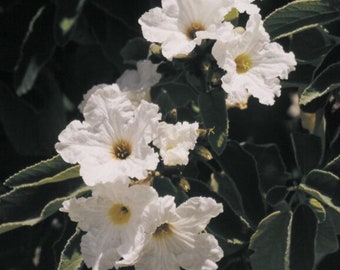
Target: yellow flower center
243,63
119,214
121,149
163,231
193,28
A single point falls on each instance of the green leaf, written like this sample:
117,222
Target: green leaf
298,16
327,81
71,258
318,44
111,33
332,57
238,228
276,194
270,166
225,186
135,49
315,123
271,242
66,16
335,217
173,92
49,169
241,167
318,208
35,51
214,115
323,186
302,239
300,77
28,205
326,239
164,186
32,123
307,151
333,166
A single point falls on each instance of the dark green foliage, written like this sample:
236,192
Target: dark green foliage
276,175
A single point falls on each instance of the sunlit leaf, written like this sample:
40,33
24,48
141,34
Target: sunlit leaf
44,200
333,166
327,81
298,16
326,239
54,169
71,258
324,186
271,242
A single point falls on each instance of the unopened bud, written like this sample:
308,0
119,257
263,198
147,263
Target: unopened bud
155,49
239,30
184,184
171,116
203,152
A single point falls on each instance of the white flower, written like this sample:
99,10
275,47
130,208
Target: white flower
113,221
114,88
175,237
136,84
253,64
176,23
113,140
175,141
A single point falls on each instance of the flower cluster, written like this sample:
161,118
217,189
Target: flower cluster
121,140
131,225
253,64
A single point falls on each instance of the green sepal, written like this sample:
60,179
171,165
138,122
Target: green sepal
298,16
